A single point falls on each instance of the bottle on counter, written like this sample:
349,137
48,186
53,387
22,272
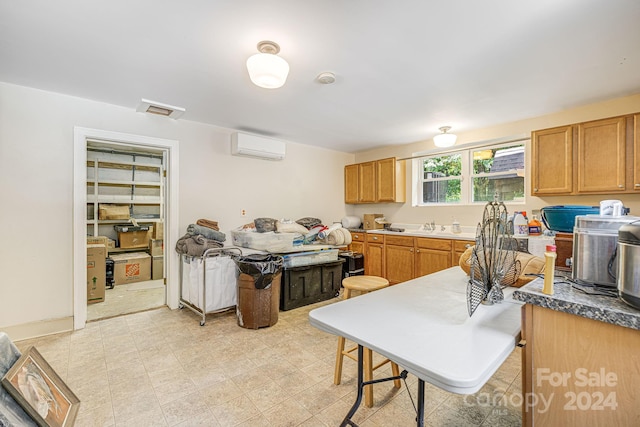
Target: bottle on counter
535,227
549,269
520,225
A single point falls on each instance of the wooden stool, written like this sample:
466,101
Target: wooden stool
363,284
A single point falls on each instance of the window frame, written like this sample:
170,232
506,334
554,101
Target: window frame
467,176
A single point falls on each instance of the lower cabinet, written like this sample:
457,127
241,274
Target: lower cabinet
310,284
374,257
578,371
432,255
399,258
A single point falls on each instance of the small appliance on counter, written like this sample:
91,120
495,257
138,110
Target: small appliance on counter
629,263
353,265
595,239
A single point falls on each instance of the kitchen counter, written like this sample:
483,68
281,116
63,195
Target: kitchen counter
438,234
574,301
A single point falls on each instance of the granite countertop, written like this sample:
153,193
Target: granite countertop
571,300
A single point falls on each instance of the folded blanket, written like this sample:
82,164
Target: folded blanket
194,229
208,223
195,245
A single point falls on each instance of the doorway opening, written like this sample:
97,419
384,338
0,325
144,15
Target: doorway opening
125,213
125,199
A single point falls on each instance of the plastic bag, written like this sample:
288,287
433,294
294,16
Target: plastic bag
263,268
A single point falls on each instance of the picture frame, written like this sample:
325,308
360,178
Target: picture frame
39,390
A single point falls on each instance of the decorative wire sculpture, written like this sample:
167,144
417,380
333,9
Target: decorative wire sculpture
493,260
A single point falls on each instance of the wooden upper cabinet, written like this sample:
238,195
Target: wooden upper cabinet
390,180
351,174
636,152
552,161
602,155
367,182
378,181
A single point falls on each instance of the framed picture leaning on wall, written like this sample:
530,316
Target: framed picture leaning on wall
40,391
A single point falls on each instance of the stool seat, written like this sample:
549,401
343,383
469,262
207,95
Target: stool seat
362,284
365,283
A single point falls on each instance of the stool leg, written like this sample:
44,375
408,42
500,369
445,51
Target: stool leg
337,376
368,376
396,372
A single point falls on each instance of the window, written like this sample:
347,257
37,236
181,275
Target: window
475,175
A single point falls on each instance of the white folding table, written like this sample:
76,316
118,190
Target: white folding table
423,325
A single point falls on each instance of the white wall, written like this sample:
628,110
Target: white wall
36,190
471,215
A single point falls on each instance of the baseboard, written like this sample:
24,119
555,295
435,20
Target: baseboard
38,329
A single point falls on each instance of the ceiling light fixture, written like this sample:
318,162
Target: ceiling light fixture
444,139
267,69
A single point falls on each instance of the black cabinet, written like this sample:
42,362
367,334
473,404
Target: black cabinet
310,284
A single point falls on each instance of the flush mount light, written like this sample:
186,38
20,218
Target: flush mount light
444,139
267,69
153,107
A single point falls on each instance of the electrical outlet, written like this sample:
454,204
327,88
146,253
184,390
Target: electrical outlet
243,212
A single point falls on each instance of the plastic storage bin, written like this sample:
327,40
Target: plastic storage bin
271,242
310,284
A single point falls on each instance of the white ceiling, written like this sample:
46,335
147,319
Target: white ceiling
403,68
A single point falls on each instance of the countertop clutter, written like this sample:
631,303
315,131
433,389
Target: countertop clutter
574,301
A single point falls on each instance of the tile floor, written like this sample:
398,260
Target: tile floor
128,298
161,368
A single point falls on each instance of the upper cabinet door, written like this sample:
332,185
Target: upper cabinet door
552,161
367,182
351,174
636,152
602,155
390,180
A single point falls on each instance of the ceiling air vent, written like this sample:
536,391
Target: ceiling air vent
160,109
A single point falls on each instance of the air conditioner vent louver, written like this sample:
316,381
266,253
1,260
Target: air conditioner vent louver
248,145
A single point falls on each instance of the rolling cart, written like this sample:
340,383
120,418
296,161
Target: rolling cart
211,282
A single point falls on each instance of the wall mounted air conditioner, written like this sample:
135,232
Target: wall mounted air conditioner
245,144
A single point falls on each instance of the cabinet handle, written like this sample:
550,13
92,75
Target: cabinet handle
467,246
375,238
411,250
417,250
637,185
535,189
620,186
356,236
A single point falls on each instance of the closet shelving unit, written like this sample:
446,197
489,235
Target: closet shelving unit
124,178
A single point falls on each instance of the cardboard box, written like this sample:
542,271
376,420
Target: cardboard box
131,267
156,247
102,240
157,267
369,222
134,237
96,273
107,211
158,231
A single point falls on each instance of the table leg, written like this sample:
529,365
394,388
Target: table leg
347,420
420,416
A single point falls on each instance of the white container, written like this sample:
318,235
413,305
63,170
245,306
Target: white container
309,258
520,225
